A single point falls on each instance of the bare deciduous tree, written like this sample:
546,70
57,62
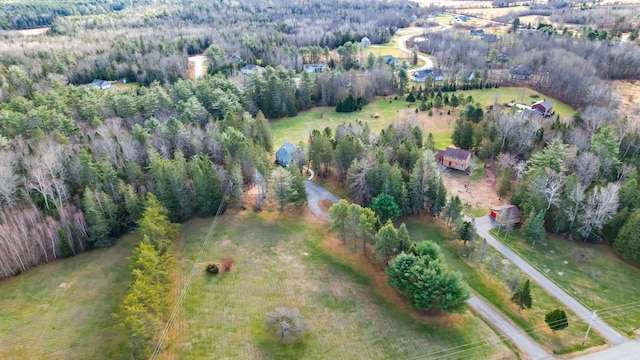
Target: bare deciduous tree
601,206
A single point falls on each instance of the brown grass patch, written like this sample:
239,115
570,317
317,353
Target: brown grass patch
480,194
629,95
368,267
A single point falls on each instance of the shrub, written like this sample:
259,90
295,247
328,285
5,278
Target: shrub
213,269
286,323
227,263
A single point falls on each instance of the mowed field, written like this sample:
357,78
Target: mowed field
279,261
298,128
602,281
64,309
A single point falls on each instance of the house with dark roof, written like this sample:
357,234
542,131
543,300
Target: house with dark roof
390,59
521,72
437,75
421,75
284,155
478,32
456,159
101,84
314,68
500,213
545,107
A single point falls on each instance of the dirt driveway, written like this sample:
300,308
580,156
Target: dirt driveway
475,193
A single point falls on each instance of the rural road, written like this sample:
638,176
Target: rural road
316,193
485,223
522,340
402,46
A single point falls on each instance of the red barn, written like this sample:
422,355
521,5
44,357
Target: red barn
545,107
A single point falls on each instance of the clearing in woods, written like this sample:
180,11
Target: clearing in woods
279,260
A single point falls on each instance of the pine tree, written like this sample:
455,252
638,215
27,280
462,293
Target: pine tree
522,296
535,231
386,241
556,319
207,186
411,98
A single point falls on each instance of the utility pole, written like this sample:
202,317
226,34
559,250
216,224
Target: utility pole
593,318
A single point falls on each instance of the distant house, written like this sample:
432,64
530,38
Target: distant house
365,42
466,75
235,58
390,59
521,72
503,58
456,159
545,107
314,68
478,32
497,213
421,75
437,75
285,154
462,18
101,84
250,69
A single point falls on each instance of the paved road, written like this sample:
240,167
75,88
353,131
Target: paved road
485,223
627,351
522,340
316,193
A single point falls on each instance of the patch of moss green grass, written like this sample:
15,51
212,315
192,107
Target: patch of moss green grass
279,262
492,289
604,282
41,319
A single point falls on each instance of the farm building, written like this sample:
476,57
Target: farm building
498,213
545,107
456,159
101,84
284,155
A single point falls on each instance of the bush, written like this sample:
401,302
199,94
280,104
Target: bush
286,323
213,269
227,263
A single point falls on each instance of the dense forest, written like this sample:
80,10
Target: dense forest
152,43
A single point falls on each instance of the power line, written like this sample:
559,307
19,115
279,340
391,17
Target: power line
194,268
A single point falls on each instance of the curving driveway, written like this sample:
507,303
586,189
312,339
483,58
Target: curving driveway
315,194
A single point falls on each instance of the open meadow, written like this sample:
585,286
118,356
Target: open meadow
64,309
592,274
279,260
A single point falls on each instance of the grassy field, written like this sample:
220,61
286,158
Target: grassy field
604,282
492,289
41,319
522,95
279,262
298,128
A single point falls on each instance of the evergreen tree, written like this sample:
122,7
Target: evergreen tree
535,231
385,207
404,240
411,98
298,186
556,319
387,241
338,213
522,296
97,225
282,185
261,132
627,243
207,186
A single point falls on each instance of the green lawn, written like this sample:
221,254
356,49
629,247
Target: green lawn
504,95
604,282
279,262
493,290
42,320
298,128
